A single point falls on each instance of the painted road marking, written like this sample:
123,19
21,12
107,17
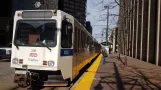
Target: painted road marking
86,82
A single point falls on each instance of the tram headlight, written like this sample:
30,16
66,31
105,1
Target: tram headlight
15,60
50,63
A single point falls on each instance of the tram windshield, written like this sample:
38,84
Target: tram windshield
35,33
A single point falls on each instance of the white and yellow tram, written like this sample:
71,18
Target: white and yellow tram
49,47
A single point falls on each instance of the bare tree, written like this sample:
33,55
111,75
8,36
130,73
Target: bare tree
127,13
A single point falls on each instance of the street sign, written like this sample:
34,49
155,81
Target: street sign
104,43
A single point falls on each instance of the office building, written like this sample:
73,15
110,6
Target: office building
76,8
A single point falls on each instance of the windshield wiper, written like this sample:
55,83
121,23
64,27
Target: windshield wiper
16,46
44,45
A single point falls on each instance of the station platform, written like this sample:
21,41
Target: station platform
115,75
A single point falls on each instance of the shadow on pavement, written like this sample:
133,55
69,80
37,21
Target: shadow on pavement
126,79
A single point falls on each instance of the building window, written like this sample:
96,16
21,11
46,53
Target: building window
66,1
71,2
72,6
66,5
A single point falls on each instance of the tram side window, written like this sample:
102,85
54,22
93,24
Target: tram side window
75,40
88,41
91,44
83,41
79,42
66,35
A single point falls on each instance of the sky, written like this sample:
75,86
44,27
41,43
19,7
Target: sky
97,16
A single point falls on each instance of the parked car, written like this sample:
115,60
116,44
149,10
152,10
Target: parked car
5,52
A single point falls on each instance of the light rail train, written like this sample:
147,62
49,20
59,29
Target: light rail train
49,48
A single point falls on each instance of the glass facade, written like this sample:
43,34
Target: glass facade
76,8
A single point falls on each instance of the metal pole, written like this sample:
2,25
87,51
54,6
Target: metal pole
107,7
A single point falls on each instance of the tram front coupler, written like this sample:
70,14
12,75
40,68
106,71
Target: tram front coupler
22,78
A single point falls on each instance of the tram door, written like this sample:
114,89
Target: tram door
67,44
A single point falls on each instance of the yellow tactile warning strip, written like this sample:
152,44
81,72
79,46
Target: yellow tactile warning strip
86,82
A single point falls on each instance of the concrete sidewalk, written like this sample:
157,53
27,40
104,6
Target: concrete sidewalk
136,75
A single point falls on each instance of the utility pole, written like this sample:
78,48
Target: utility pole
107,7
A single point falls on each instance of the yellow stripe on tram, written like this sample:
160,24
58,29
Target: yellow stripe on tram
86,82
